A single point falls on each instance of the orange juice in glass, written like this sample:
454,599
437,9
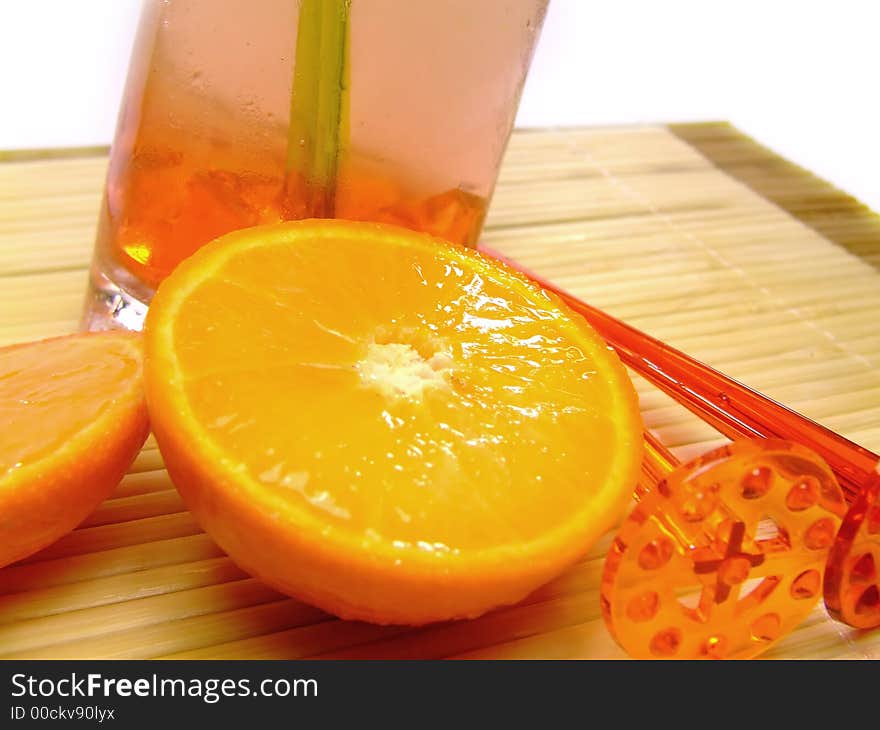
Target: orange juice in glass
257,111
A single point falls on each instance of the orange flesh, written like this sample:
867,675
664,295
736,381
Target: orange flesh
318,422
51,394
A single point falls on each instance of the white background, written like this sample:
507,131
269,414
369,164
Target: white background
800,76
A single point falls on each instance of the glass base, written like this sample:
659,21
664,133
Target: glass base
110,307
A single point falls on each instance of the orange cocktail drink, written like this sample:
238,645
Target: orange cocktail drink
268,110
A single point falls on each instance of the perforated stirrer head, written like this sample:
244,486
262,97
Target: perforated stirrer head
725,555
852,574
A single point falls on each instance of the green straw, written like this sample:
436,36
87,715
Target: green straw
319,101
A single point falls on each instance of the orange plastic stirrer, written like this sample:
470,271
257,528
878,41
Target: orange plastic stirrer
852,578
724,555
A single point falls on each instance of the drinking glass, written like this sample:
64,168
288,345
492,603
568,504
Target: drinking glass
249,112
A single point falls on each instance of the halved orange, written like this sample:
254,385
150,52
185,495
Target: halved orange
390,427
72,418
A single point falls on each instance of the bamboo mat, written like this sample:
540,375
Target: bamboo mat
682,231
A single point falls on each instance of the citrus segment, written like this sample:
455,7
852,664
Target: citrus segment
73,417
385,425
